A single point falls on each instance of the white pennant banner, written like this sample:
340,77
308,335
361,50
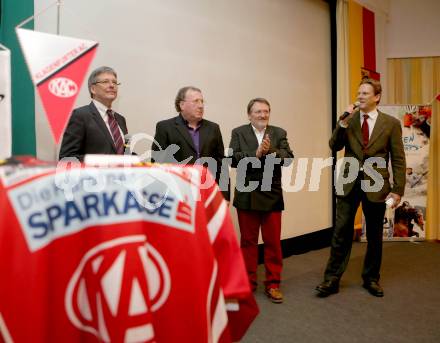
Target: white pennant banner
5,103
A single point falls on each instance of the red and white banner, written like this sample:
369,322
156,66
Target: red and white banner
141,254
5,103
57,65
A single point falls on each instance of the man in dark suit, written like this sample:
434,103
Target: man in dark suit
189,138
96,128
258,194
373,140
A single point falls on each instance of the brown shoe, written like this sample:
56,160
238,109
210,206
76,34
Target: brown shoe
274,294
327,288
373,288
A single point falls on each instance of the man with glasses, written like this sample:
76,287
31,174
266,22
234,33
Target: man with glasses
96,128
189,138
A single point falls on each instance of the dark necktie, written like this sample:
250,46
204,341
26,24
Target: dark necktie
116,134
365,130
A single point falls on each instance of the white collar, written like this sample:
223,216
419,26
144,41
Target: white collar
100,106
258,132
372,115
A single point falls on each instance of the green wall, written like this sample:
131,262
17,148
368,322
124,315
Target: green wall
23,97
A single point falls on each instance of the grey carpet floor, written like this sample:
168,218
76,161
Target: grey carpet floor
409,311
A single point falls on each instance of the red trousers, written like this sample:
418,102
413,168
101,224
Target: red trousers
270,223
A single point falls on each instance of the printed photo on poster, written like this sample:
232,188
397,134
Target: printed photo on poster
407,221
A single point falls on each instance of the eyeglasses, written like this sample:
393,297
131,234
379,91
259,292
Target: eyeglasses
196,102
261,112
108,82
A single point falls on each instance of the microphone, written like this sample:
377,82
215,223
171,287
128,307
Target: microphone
346,114
127,141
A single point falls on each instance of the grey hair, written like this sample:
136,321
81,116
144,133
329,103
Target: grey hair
181,94
93,78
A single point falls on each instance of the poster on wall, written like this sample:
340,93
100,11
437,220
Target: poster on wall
407,221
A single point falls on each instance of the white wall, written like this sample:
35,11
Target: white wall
413,28
232,50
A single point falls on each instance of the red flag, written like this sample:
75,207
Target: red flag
438,97
114,284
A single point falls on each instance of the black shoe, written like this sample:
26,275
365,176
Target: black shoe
373,288
327,288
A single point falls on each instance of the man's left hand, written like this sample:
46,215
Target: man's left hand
396,198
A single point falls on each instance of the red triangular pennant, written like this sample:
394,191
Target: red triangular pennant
58,93
57,65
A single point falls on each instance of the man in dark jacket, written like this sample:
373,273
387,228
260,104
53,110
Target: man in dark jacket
189,138
96,128
258,151
372,140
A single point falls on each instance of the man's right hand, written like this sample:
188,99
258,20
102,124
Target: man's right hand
264,147
350,109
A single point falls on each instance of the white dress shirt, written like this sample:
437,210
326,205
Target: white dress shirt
102,109
259,134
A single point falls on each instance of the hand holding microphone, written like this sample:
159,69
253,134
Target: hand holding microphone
350,110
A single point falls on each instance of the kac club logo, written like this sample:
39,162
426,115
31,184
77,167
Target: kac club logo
116,287
63,87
